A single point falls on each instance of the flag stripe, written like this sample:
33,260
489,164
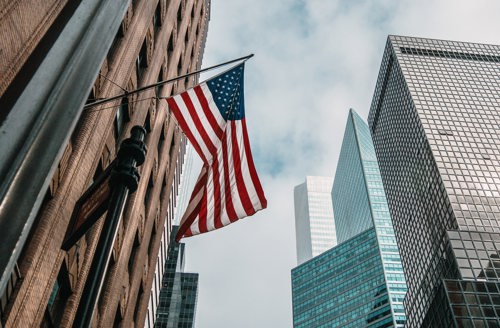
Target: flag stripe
251,166
193,124
240,183
209,114
231,214
237,201
245,172
228,188
193,206
199,126
217,199
202,216
182,123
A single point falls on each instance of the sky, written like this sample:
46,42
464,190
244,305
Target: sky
313,61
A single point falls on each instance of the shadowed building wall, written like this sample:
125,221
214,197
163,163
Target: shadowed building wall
156,40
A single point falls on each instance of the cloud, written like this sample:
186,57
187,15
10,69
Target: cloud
313,61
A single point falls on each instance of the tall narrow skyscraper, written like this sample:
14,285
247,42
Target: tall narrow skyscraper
314,224
179,291
360,282
434,120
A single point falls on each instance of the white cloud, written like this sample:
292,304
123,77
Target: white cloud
313,61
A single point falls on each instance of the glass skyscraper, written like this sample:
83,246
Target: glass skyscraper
314,224
179,291
360,282
434,120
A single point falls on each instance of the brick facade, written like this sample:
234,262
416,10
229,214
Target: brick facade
158,39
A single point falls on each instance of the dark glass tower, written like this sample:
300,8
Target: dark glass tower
360,282
435,120
179,292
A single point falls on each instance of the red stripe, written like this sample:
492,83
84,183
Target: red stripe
202,215
188,221
251,166
182,123
217,199
197,122
208,112
240,182
231,213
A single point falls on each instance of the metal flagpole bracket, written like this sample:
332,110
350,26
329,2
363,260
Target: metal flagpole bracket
124,180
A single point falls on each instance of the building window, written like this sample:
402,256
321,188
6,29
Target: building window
149,191
138,302
159,88
142,59
170,46
122,116
118,318
116,42
157,19
131,259
58,298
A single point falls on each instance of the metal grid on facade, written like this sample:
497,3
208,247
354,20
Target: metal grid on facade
359,203
435,125
360,282
342,287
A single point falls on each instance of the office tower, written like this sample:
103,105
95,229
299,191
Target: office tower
434,123
178,204
314,225
58,55
179,291
360,282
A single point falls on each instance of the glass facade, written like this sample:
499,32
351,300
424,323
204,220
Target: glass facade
359,203
189,291
360,282
343,287
179,291
314,224
434,121
177,203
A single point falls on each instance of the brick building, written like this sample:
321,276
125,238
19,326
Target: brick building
154,40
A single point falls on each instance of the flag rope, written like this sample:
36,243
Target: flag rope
147,87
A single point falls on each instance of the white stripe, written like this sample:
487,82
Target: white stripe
224,217
245,169
203,118
192,127
210,201
238,206
194,227
213,108
194,200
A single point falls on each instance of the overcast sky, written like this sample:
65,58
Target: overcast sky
313,61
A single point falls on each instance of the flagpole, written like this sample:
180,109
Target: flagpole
150,86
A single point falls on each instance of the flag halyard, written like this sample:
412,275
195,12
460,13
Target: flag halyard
228,188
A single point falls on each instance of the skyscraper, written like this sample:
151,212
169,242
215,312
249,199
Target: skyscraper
434,120
60,55
360,282
178,204
314,224
179,291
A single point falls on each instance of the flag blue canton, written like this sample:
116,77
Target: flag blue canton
227,91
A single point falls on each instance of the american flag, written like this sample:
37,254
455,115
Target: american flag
212,115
